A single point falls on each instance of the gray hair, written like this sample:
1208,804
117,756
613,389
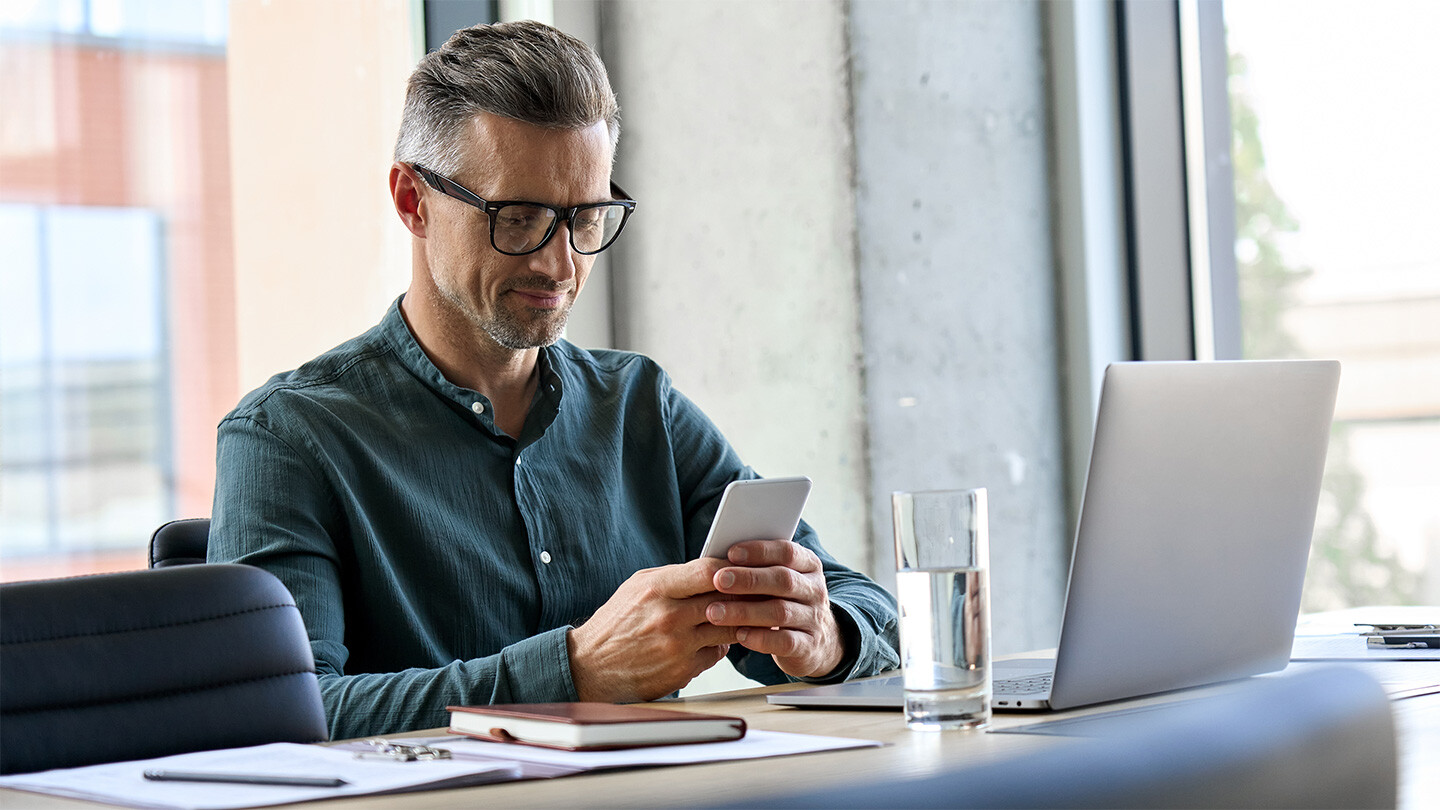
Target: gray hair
522,70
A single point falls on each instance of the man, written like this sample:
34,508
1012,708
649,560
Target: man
468,509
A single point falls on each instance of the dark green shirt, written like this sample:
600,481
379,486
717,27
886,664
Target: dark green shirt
437,561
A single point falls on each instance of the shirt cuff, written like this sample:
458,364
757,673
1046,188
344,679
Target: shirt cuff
538,669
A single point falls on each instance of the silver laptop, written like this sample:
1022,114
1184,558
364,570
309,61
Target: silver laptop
1193,535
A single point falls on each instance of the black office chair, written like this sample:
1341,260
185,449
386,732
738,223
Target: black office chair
149,663
180,542
1321,739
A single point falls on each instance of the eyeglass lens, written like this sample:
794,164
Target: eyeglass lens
523,228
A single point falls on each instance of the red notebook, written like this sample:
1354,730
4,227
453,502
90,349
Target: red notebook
591,726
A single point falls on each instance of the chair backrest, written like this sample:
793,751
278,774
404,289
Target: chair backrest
1321,739
180,542
149,663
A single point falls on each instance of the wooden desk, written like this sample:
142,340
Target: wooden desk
909,754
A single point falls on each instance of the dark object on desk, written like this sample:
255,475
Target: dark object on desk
180,542
148,663
591,726
1321,739
1385,629
1416,642
1401,636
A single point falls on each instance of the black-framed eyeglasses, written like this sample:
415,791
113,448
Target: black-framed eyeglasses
518,227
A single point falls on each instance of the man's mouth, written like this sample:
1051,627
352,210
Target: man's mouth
541,299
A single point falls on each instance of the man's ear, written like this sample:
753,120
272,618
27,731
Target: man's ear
406,192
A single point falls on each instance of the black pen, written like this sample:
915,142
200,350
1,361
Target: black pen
1398,642
245,779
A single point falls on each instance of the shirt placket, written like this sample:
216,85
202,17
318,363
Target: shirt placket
535,499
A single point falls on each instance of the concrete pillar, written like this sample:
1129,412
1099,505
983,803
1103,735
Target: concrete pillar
737,272
811,171
957,283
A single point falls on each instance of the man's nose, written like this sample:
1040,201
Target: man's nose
556,259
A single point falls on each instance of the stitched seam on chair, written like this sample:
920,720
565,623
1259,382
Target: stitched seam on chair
156,695
143,628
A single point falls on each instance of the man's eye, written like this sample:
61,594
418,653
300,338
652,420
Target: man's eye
523,217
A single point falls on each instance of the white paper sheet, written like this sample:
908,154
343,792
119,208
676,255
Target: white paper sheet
756,744
123,783
475,762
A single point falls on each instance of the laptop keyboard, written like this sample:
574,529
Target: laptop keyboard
1031,685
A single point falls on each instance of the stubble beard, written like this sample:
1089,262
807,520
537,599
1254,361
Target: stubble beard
511,331
517,330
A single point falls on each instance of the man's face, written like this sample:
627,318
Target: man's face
520,302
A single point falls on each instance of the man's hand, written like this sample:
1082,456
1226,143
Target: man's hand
651,637
783,607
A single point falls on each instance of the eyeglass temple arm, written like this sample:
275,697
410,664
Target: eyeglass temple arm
438,182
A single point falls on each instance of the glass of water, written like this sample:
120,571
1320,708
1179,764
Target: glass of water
942,559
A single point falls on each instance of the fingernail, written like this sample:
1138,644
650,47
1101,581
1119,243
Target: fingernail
727,579
739,555
716,612
741,634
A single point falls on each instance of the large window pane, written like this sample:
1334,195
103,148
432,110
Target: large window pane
1334,111
117,337
84,397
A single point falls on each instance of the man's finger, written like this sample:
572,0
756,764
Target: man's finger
707,657
710,635
778,642
769,613
686,579
775,580
694,612
774,552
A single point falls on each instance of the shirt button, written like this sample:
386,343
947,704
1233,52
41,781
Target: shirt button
478,407
545,557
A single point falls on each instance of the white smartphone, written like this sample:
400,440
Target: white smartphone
756,509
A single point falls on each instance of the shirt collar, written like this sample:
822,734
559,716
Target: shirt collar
543,409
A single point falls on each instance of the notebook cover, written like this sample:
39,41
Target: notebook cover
593,714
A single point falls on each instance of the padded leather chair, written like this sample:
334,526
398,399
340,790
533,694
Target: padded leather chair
180,542
1322,739
149,663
